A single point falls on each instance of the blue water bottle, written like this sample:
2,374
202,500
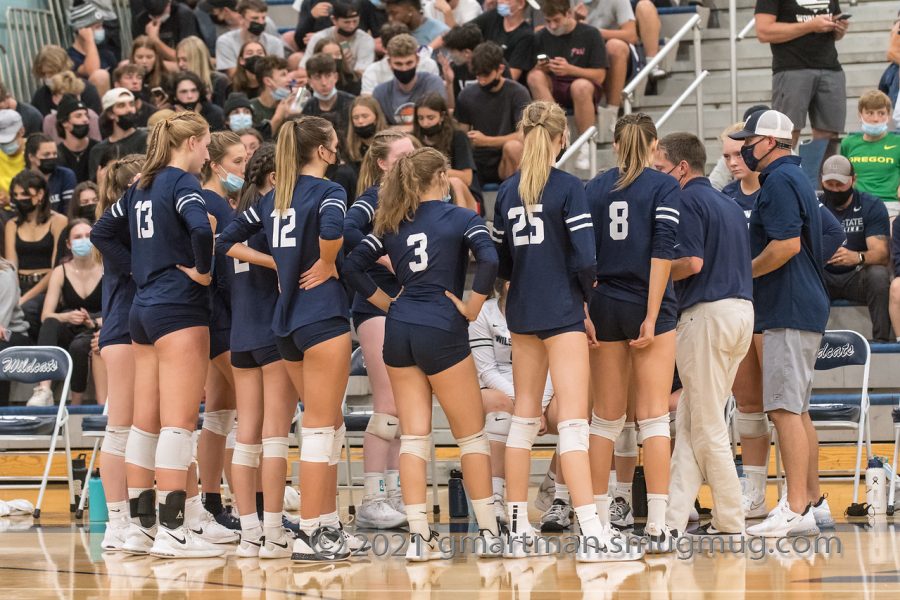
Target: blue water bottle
459,505
97,512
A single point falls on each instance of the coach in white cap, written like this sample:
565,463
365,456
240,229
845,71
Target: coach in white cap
791,307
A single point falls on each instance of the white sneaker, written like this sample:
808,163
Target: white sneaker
357,545
291,499
612,546
139,540
557,517
323,546
279,546
525,545
115,535
182,542
395,500
42,396
754,504
583,158
377,513
661,541
489,545
620,514
783,522
421,549
207,528
822,513
251,541
545,495
500,508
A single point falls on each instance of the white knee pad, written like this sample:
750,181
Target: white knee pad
231,439
522,432
339,434
220,422
573,436
140,449
275,447
752,425
247,455
607,429
317,443
383,426
653,427
496,426
477,443
175,449
626,444
115,441
417,445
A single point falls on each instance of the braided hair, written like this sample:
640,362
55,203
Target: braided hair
259,167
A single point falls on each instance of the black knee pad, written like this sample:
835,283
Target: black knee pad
171,513
144,508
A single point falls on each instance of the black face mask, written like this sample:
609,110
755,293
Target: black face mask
189,105
489,87
24,206
347,32
126,121
405,77
80,131
87,211
366,131
256,28
48,165
433,130
836,199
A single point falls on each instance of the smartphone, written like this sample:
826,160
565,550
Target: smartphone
344,45
542,59
843,17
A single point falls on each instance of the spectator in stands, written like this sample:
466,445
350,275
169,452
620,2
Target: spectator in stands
143,54
193,56
252,140
890,80
238,112
380,71
451,12
348,79
461,41
875,152
190,93
575,68
92,59
12,150
806,73
131,77
84,202
117,123
426,30
49,61
70,313
436,128
858,270
357,47
165,23
490,112
62,84
32,118
398,96
42,156
253,28
506,25
72,126
13,326
244,81
327,101
367,120
273,104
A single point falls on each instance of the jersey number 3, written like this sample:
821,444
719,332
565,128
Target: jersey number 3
419,244
527,226
618,220
144,210
283,223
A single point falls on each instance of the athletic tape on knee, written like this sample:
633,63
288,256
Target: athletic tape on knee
339,434
626,443
220,422
653,427
752,425
247,455
574,436
522,432
140,449
417,445
477,443
275,447
607,429
175,449
231,439
383,426
115,441
496,426
317,443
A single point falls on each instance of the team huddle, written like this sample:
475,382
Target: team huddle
586,280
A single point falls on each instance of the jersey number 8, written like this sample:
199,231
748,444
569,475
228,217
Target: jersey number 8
283,224
618,220
527,227
419,243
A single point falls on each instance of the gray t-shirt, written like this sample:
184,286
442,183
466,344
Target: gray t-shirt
609,14
398,105
229,45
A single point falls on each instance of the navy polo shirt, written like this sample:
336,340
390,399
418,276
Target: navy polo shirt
864,217
793,296
713,227
745,201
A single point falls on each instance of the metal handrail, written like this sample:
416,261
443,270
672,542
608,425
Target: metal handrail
750,26
684,95
584,138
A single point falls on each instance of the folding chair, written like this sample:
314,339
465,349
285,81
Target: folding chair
30,365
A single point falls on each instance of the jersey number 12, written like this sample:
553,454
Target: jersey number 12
283,223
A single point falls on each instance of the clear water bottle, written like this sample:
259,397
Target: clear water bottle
459,505
876,486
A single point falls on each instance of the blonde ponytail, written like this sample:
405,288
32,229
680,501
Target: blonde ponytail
297,141
402,188
541,123
167,135
634,136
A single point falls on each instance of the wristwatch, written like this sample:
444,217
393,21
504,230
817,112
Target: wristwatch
862,258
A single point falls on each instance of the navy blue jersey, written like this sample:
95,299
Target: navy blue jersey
118,286
220,289
713,228
547,253
430,254
317,211
865,216
357,225
168,226
632,226
745,201
60,186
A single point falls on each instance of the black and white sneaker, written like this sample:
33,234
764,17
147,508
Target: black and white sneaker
709,530
661,542
557,517
325,545
226,518
422,550
620,514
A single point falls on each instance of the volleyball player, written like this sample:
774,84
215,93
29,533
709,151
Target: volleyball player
382,506
426,342
635,215
171,259
115,349
303,219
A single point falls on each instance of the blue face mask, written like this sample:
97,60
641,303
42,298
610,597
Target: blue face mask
326,97
377,3
874,129
232,183
81,247
240,121
503,10
10,148
99,36
280,93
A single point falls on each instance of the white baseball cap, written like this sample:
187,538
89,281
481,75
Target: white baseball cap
10,125
768,123
116,95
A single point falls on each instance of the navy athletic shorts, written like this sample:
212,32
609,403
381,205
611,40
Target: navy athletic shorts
619,321
254,359
149,323
219,342
360,317
115,330
431,349
549,333
294,346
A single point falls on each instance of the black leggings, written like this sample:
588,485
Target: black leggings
74,338
15,339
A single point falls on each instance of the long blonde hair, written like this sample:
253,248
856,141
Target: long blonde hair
541,122
402,187
198,61
634,136
166,136
354,142
297,141
369,172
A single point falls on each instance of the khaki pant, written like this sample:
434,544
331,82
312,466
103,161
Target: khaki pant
713,338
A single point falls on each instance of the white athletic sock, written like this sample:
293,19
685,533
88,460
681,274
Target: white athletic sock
417,517
611,483
118,512
308,526
498,485
602,502
392,480
485,515
589,521
562,493
193,509
375,485
332,519
271,524
250,522
656,512
757,477
623,490
518,517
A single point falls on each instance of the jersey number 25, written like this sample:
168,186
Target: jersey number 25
527,226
